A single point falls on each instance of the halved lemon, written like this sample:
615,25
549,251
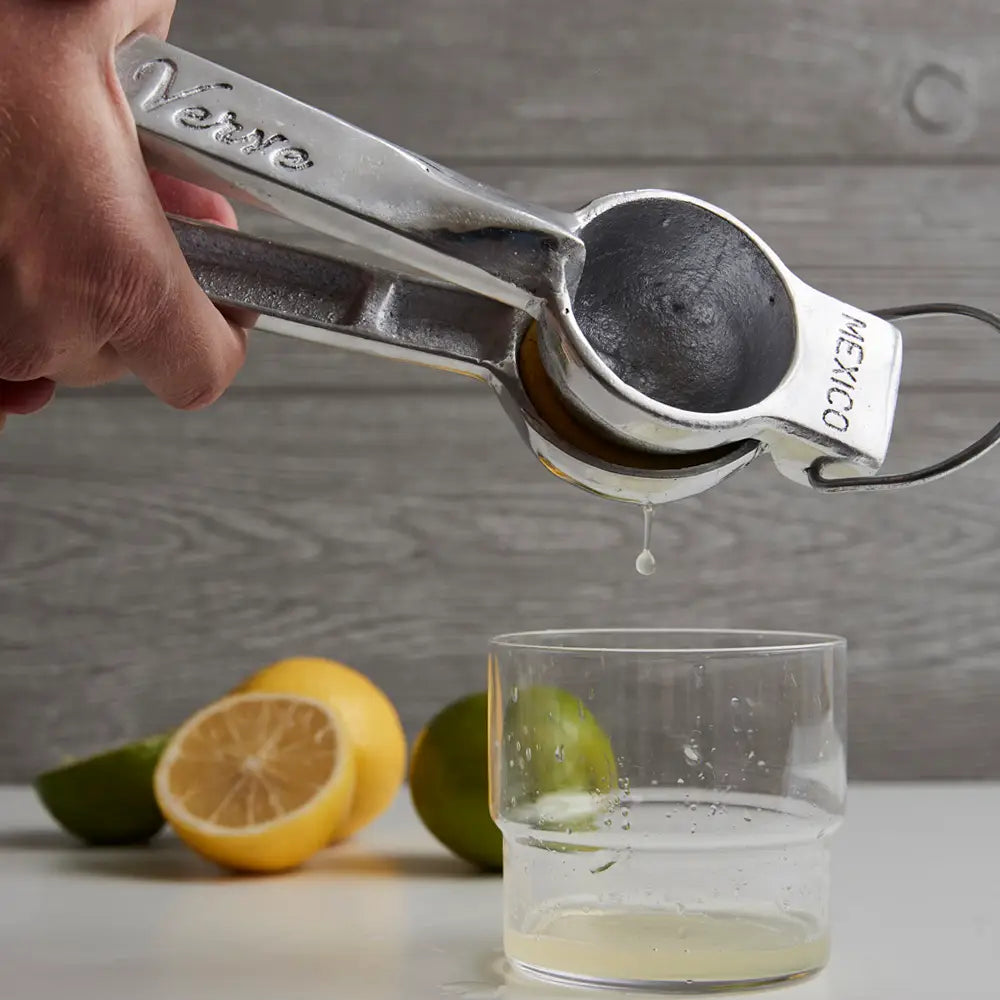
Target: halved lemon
372,724
258,782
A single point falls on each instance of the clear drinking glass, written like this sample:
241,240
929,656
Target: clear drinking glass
666,800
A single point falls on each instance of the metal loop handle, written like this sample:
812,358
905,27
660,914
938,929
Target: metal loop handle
931,472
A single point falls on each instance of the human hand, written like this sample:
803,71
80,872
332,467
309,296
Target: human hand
92,282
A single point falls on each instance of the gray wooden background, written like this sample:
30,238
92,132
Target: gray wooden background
388,516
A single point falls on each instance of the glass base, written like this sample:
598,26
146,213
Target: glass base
658,986
658,950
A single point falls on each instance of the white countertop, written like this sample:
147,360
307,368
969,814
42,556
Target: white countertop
393,917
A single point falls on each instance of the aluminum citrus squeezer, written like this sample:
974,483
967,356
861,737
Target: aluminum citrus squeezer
646,346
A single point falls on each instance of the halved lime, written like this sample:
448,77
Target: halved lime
107,799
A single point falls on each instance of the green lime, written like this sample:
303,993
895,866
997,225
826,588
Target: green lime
559,765
107,799
449,782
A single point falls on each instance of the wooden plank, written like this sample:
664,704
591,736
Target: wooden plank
152,558
688,80
872,236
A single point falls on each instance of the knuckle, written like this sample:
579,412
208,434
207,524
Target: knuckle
26,358
131,300
150,313
204,389
210,376
30,339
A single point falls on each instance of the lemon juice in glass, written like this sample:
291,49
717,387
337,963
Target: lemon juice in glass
666,800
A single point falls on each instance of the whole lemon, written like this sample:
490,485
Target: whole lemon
371,720
258,782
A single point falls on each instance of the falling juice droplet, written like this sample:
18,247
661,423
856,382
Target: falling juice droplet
645,563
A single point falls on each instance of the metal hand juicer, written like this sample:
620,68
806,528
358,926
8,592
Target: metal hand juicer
645,347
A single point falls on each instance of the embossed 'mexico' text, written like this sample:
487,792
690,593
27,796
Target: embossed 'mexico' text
224,125
848,354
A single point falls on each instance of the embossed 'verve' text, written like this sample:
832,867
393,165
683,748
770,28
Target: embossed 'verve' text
848,354
224,127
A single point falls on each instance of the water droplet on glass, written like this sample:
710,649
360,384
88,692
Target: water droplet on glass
693,806
694,827
747,819
751,755
692,754
626,826
735,702
513,693
713,809
762,763
680,781
560,753
654,781
527,753
517,745
590,695
582,710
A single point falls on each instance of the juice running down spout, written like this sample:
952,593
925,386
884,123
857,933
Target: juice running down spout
645,561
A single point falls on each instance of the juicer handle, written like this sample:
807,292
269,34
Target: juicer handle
206,124
313,297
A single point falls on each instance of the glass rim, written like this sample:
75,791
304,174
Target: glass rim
765,641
